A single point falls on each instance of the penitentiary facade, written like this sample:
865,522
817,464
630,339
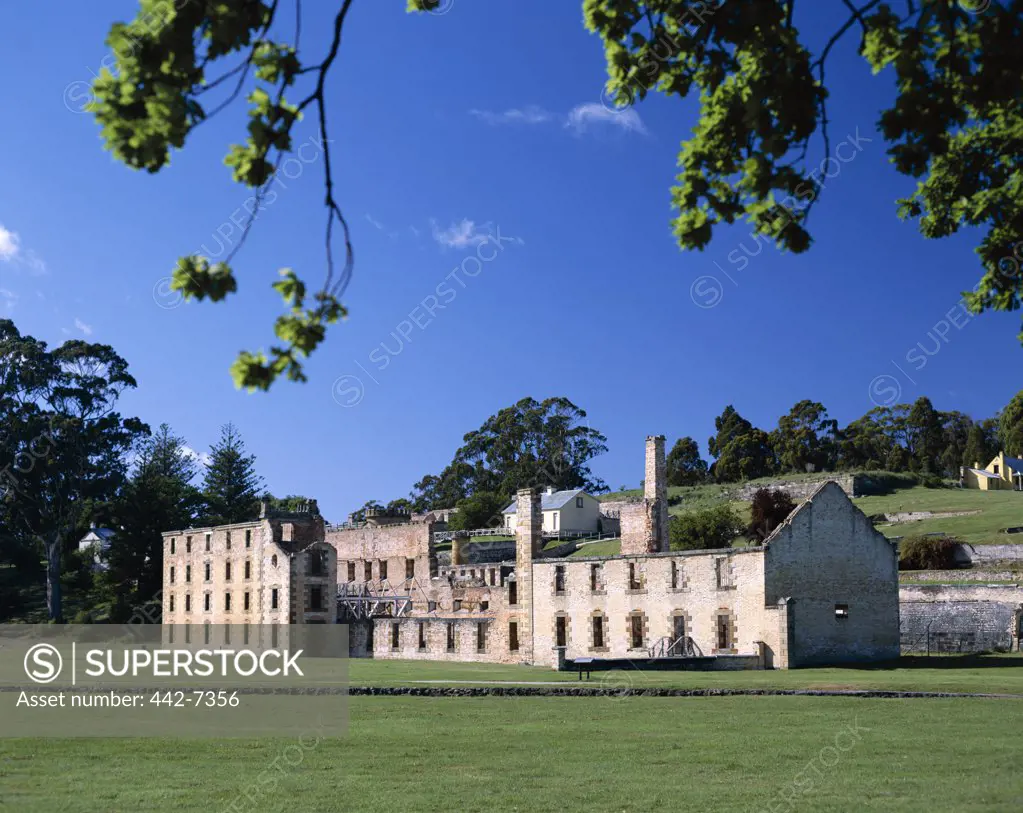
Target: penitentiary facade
823,588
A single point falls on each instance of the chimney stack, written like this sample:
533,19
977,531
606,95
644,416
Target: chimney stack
655,492
528,542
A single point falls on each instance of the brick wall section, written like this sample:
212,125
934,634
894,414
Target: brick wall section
827,553
993,613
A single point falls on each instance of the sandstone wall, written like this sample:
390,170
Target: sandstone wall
227,550
698,598
827,556
386,549
950,617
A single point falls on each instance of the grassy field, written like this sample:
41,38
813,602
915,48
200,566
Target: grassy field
998,510
999,674
557,754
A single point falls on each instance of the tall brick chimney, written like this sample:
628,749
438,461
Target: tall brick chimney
655,492
528,542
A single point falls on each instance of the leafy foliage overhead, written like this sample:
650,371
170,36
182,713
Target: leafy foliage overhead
955,126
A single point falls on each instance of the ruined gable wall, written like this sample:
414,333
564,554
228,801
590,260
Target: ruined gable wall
828,553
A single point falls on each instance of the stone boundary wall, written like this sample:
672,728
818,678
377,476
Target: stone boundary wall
474,553
914,516
972,554
621,690
988,612
907,577
545,691
800,490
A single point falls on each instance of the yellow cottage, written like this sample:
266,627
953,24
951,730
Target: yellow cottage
1003,472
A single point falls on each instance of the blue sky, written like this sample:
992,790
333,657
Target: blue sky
485,120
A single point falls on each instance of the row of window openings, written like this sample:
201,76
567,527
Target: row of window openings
227,634
471,573
597,579
246,601
450,639
208,572
209,542
367,570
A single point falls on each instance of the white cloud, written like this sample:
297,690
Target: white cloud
374,222
11,252
460,235
86,329
8,244
527,115
202,458
582,116
8,299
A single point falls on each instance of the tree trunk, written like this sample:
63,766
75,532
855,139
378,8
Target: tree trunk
54,603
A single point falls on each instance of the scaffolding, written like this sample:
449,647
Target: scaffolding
379,599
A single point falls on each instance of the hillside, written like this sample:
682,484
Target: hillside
996,510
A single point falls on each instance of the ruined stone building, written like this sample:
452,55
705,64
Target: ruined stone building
823,588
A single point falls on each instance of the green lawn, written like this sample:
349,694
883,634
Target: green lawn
998,509
999,674
557,754
605,547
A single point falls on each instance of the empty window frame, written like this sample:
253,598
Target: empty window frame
561,630
724,631
636,631
635,577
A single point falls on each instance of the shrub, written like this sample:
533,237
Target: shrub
927,553
705,529
768,510
481,510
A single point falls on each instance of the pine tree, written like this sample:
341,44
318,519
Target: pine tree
231,487
159,496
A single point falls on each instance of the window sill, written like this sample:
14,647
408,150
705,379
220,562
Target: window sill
598,592
599,649
637,591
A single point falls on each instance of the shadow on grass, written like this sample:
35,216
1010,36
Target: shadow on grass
967,661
